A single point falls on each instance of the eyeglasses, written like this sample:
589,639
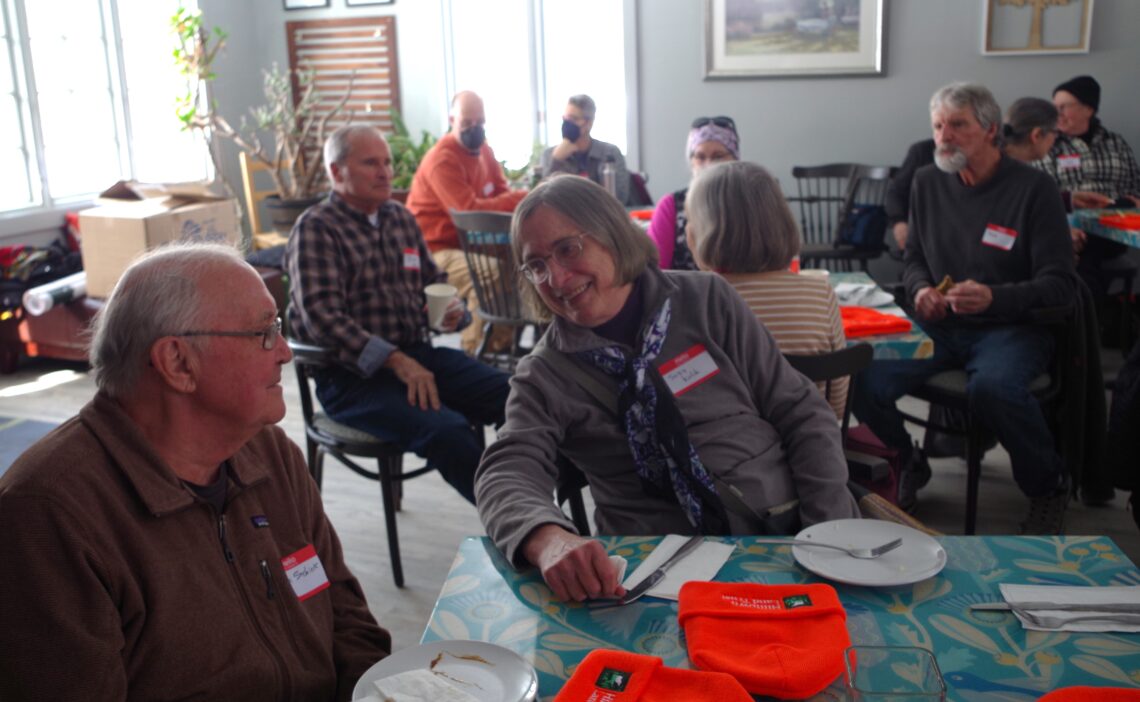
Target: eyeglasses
565,252
269,335
721,121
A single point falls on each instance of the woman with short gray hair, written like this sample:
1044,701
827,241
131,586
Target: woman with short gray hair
661,387
740,226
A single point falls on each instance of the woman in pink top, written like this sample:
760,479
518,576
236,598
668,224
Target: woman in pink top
711,140
740,226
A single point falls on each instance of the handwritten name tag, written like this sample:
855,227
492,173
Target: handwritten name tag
488,188
689,370
1069,162
411,260
999,237
305,573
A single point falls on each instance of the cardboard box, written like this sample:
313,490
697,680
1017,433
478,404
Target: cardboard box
131,218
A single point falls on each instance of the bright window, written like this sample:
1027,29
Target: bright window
87,90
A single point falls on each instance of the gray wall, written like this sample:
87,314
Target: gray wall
785,122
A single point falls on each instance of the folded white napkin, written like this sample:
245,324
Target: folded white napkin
418,685
862,295
621,564
701,564
1065,608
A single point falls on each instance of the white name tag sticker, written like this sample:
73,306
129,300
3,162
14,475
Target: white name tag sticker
1069,162
999,237
488,188
305,573
411,260
688,370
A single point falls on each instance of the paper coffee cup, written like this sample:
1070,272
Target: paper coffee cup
439,296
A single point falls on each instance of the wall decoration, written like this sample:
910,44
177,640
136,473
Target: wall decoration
772,38
1016,27
353,3
305,4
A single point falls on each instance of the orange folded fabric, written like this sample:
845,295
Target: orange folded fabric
784,641
864,321
1088,694
620,676
644,215
1121,221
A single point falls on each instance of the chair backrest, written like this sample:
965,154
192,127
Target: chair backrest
822,194
827,367
485,239
863,208
255,194
306,359
638,190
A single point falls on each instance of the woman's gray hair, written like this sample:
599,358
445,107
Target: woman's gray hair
977,97
159,294
740,221
595,212
339,143
1027,114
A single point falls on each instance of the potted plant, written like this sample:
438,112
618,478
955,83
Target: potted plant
406,155
296,128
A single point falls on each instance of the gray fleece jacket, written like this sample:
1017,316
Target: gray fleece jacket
758,426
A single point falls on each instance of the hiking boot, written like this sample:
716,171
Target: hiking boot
915,474
1046,514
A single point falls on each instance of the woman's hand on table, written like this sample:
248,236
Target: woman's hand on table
1084,199
574,567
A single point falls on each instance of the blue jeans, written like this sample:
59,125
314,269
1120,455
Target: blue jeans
1001,363
470,393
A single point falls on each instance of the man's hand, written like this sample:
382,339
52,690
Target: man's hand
900,231
420,381
574,567
970,297
930,304
564,149
1079,238
1135,200
1084,199
453,316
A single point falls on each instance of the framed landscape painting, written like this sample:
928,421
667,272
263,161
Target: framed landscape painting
772,38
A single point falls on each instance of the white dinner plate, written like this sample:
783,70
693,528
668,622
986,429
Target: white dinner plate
863,295
918,558
493,673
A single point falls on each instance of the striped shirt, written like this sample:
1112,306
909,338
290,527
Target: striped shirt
359,286
802,313
1104,164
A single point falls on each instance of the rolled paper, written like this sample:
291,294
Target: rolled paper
40,299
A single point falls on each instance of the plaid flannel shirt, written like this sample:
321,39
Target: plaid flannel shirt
358,287
1107,164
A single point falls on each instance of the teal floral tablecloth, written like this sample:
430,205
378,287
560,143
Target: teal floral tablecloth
912,344
983,655
1088,221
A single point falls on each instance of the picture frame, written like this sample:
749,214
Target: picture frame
354,3
1026,27
305,4
793,38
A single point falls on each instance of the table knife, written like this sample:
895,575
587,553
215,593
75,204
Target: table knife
653,578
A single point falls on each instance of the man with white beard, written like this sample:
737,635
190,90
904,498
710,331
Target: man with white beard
988,243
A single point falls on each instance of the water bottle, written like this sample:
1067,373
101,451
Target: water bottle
609,177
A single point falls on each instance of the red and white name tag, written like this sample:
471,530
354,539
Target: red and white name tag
1069,162
488,188
305,573
688,370
411,260
999,237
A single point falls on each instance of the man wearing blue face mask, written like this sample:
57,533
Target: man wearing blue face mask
581,154
460,173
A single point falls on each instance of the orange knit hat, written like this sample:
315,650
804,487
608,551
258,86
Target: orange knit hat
785,641
620,676
1087,694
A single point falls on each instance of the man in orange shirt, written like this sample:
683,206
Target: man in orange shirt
460,173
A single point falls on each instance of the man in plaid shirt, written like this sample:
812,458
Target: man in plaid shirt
358,266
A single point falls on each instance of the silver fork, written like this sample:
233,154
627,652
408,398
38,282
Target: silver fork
873,552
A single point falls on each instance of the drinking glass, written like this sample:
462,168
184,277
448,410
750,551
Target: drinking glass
893,674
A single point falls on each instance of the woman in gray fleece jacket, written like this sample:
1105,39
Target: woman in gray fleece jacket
662,387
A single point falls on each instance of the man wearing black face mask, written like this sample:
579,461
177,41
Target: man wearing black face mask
460,173
580,154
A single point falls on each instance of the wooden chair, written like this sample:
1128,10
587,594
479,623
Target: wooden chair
323,436
263,238
830,199
485,239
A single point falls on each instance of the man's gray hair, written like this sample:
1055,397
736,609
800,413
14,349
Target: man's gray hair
586,104
339,143
975,96
595,212
740,221
159,294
